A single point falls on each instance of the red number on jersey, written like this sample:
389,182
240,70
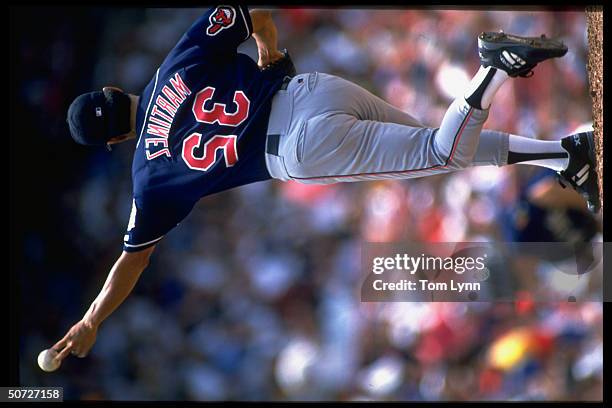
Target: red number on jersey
227,143
218,114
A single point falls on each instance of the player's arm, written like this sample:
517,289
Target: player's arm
119,283
266,37
145,229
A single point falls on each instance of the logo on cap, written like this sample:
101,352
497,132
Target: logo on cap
223,17
98,111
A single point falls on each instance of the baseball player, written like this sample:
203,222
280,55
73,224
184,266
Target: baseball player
212,119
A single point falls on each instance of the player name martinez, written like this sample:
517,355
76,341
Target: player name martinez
161,115
425,285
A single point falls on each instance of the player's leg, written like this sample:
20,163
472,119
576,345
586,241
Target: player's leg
338,147
495,147
479,96
515,149
341,132
504,56
460,136
534,152
572,157
421,151
501,149
344,96
345,133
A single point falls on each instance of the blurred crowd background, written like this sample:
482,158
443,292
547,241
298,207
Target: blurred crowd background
255,296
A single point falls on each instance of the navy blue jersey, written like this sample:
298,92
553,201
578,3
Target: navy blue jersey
201,125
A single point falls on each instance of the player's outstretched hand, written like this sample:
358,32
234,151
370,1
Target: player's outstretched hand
78,341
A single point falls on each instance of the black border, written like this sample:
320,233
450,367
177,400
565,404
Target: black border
11,377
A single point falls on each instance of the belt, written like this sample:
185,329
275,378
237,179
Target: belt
273,139
286,81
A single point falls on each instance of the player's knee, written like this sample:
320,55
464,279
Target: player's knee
454,157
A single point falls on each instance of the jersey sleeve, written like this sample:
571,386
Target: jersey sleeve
220,29
150,221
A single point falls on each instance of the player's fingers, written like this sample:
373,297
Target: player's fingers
64,353
60,344
78,351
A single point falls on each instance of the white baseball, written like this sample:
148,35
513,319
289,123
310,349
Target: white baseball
47,360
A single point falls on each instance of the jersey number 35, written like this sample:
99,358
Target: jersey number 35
217,115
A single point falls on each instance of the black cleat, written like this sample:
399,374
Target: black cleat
581,171
517,55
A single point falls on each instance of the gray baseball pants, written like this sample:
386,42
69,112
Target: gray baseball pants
324,129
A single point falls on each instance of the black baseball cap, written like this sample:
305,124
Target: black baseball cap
95,117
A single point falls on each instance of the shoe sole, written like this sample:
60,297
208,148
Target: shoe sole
591,142
491,41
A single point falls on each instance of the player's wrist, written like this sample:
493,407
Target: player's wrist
90,322
264,43
269,54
